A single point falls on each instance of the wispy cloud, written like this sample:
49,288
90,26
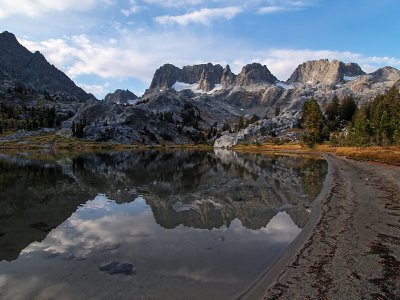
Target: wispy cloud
175,3
203,16
34,8
132,9
271,9
96,89
276,6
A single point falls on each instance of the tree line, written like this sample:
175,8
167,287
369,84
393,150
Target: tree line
17,117
343,123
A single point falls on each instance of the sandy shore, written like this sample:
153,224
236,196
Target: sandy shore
351,248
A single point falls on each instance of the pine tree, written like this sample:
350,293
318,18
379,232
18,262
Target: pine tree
313,122
332,109
361,131
347,108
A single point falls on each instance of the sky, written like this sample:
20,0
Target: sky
108,44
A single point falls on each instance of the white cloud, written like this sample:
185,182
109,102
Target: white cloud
34,8
271,9
203,16
133,9
175,3
80,56
276,6
97,90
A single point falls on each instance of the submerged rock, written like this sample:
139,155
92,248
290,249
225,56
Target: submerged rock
115,268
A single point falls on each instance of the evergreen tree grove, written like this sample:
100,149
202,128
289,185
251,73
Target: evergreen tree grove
378,122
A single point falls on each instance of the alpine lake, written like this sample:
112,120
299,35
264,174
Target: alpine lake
171,224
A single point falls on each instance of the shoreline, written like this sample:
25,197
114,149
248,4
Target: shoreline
256,289
53,142
351,249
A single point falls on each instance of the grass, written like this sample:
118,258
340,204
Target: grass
388,154
52,141
57,142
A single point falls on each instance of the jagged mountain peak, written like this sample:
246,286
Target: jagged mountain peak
8,37
120,96
255,73
227,78
206,75
323,70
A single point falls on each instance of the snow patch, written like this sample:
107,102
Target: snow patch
180,86
284,85
349,78
217,87
132,102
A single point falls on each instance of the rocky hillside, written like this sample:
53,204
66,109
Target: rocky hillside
202,102
31,70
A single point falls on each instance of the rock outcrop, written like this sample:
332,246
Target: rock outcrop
121,97
33,70
324,71
228,78
255,73
386,74
165,77
257,132
210,76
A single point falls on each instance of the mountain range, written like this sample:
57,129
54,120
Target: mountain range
190,104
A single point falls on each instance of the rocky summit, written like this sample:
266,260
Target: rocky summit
206,75
317,71
121,97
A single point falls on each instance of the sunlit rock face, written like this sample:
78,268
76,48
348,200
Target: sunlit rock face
318,71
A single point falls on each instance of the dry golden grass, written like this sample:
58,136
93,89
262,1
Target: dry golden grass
389,154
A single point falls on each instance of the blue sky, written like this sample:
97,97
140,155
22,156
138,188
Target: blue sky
107,44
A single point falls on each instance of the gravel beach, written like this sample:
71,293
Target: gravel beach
351,249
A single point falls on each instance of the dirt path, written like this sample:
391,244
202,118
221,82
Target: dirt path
354,250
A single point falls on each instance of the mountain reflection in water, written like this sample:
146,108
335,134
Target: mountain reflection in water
187,224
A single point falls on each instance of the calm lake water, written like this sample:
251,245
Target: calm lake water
148,225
